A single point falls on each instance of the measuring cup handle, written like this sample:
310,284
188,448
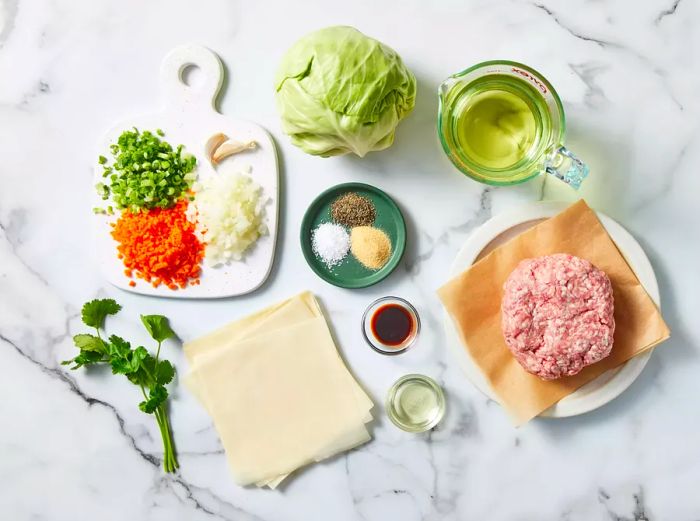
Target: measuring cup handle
564,165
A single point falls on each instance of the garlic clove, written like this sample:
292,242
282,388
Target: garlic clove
229,148
213,143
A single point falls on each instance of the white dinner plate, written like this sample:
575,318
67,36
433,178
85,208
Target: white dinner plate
507,225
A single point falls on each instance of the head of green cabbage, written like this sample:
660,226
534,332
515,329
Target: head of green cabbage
339,91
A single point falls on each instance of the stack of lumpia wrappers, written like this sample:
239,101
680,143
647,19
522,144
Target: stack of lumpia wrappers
278,392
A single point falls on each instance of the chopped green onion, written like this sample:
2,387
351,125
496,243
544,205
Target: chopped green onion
146,172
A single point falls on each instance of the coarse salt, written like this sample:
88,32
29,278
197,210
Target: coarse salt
331,243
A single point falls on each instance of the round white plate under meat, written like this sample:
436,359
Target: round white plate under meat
505,226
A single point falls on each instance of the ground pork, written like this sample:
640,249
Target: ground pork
557,315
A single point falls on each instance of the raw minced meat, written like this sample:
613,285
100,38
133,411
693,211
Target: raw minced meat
557,315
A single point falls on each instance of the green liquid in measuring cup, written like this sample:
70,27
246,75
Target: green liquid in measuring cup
497,128
497,124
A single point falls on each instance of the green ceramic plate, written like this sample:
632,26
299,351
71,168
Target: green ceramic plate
350,273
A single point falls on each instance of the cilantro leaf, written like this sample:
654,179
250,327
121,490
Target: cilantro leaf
149,365
165,372
156,396
139,377
158,327
129,363
84,358
120,366
95,311
118,347
86,342
145,376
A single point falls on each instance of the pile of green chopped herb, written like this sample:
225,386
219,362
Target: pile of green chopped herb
141,368
145,172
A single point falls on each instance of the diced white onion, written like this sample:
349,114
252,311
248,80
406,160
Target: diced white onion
229,215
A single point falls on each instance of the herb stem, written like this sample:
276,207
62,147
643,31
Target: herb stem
170,463
166,449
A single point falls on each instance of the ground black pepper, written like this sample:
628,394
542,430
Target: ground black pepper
352,209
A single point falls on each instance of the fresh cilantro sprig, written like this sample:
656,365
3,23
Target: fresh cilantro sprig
148,372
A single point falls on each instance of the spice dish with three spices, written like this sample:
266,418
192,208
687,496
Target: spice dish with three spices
353,235
369,245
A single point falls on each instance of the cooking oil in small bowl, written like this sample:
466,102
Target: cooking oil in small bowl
415,403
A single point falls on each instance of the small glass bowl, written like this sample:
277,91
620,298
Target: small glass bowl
372,339
415,403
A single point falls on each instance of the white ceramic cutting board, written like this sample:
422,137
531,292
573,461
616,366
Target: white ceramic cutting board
189,118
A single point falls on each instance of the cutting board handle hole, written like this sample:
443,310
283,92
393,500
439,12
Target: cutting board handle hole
191,75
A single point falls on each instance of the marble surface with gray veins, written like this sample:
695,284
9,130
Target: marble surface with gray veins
74,446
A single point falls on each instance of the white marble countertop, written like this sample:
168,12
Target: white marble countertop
74,446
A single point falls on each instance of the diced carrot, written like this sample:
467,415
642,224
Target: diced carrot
159,246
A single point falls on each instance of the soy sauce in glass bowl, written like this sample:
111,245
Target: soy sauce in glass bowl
390,325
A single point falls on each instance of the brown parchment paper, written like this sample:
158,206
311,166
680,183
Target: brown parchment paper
473,299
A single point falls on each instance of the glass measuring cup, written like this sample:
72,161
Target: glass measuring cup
502,123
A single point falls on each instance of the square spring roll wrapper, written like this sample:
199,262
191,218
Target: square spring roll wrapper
473,300
281,315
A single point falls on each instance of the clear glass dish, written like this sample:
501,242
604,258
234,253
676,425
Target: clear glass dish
415,403
372,339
